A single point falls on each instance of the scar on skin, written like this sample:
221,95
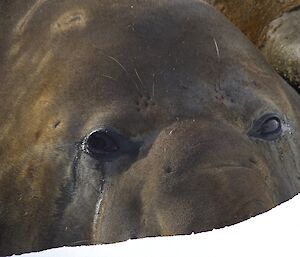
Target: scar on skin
15,49
38,59
46,58
27,17
20,62
71,20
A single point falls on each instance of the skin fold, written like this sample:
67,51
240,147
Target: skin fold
176,94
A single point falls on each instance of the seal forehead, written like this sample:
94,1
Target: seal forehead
164,53
180,61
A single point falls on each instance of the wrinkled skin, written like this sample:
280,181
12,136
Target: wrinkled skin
178,87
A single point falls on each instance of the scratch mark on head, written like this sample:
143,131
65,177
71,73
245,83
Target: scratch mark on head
21,26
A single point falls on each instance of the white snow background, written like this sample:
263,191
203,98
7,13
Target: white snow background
274,233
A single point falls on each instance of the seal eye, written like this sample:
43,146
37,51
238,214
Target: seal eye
268,127
100,142
105,144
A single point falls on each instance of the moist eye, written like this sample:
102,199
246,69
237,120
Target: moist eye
100,142
268,127
106,144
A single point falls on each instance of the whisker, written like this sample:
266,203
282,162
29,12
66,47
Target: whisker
139,78
109,77
218,85
116,61
153,85
217,49
123,68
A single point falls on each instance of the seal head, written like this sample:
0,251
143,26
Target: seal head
124,119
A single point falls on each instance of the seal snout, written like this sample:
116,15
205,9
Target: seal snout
195,177
211,176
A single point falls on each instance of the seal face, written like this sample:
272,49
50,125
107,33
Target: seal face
123,120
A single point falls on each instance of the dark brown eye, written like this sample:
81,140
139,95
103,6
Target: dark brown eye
268,127
100,142
106,144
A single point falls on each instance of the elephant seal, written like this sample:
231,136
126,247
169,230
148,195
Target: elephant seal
274,27
127,119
